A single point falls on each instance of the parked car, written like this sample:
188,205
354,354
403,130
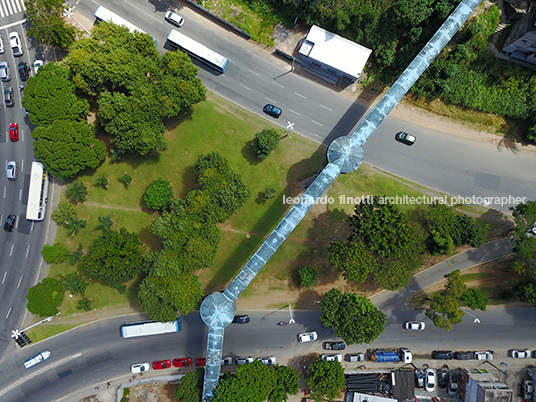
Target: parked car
519,353
14,131
429,380
267,360
9,224
11,170
527,390
272,110
405,138
307,336
37,64
161,364
200,362
24,70
443,354
464,355
14,40
419,378
241,319
243,360
2,50
333,357
140,367
442,378
355,357
339,345
174,18
4,71
452,388
38,358
182,362
488,355
226,361
8,97
414,325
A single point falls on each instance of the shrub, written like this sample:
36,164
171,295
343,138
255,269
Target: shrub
127,178
74,283
64,212
308,276
102,181
54,254
474,299
265,142
269,193
527,293
77,192
84,304
45,297
159,195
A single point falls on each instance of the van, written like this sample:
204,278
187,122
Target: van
443,354
332,358
355,357
464,355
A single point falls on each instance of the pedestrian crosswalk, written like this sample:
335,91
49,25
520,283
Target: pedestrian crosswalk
8,7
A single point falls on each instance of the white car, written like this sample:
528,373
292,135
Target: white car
36,65
332,358
11,170
2,50
414,325
174,18
4,71
140,367
32,361
519,353
226,361
267,361
243,360
429,380
488,355
308,336
14,41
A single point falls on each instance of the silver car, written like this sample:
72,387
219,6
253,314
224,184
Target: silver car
429,380
2,50
11,170
174,18
332,358
308,336
267,361
243,360
414,325
14,40
4,71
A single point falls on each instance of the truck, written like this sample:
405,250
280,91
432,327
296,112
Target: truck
391,355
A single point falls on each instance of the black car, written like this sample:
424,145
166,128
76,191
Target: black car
8,97
272,110
405,138
464,355
334,345
452,388
442,378
241,319
443,354
24,70
10,223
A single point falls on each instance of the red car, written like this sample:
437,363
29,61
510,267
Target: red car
14,131
200,361
161,364
182,362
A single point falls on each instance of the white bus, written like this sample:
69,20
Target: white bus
197,50
145,328
103,14
38,193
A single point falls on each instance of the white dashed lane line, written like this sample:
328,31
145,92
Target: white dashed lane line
317,123
325,107
290,110
279,85
243,86
300,95
253,72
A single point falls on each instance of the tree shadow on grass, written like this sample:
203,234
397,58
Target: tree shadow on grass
249,154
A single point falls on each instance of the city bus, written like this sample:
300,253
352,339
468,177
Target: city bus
197,50
38,193
145,328
103,14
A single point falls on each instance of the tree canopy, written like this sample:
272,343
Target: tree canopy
158,195
190,388
135,86
47,25
525,245
326,379
353,318
45,297
252,382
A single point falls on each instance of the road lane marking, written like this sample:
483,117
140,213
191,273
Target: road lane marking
300,95
290,110
11,252
243,86
317,123
22,165
31,229
4,192
325,107
4,278
146,13
20,194
253,72
279,85
7,315
20,280
27,251
269,100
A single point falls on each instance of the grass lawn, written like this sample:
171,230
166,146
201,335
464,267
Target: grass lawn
219,125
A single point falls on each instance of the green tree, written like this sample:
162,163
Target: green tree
265,142
102,181
74,283
444,310
252,383
68,147
527,293
74,225
307,275
45,297
467,231
64,212
352,259
47,25
127,178
159,195
115,257
54,254
287,382
51,97
190,388
75,256
77,191
525,246
353,318
105,222
325,379
474,299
